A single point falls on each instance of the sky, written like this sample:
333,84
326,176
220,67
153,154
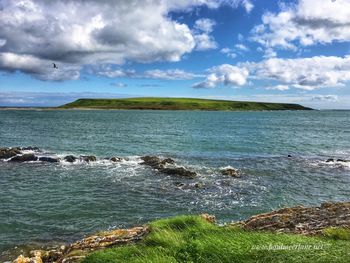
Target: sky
252,50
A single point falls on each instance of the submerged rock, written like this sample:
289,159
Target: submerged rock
178,171
70,158
88,158
231,172
48,159
30,148
24,158
329,160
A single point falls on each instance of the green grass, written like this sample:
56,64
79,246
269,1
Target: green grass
337,233
178,104
191,239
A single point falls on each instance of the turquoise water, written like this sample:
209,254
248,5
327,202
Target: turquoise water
62,202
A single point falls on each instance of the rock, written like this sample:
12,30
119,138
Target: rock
70,158
48,159
88,158
179,184
115,159
210,218
30,148
343,161
24,158
152,161
35,259
178,171
329,160
290,156
167,161
302,220
21,259
231,172
6,153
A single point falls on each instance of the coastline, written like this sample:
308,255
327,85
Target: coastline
327,222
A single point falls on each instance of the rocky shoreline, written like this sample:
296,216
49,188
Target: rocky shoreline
296,220
165,166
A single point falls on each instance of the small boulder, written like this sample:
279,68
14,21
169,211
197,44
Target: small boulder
115,159
209,218
48,159
88,158
167,161
152,161
230,172
70,158
24,158
343,161
330,160
30,148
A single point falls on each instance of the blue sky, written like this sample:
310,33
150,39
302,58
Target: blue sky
255,50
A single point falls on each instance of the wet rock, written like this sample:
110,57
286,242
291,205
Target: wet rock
343,161
88,158
329,160
178,171
179,184
167,161
290,156
48,159
302,220
24,158
231,172
70,158
6,153
152,161
115,159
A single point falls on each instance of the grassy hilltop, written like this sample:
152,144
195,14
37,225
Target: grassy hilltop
179,104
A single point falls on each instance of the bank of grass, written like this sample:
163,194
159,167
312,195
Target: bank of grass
179,104
192,239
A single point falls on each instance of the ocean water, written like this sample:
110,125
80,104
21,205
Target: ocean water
62,202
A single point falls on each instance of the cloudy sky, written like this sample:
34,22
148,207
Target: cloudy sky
279,51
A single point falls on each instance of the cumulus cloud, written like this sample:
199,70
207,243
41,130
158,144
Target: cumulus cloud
308,22
225,74
304,73
205,24
75,33
202,29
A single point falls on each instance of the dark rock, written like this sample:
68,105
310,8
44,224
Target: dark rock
6,153
330,160
179,184
289,156
88,158
231,172
178,171
24,158
116,159
342,160
167,161
153,161
70,158
48,159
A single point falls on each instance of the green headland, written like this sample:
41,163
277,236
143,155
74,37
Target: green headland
178,104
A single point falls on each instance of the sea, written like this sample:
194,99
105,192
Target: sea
281,155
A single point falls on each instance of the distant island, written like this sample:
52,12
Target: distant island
178,104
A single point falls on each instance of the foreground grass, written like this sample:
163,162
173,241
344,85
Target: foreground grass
178,104
192,239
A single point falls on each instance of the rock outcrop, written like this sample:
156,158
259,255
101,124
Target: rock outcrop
78,250
49,159
88,158
167,166
6,153
70,158
302,220
28,157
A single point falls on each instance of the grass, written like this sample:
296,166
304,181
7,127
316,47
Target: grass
192,239
178,104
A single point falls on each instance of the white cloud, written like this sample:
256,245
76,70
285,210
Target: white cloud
205,24
278,87
242,47
308,22
119,85
171,74
225,74
329,98
76,33
304,73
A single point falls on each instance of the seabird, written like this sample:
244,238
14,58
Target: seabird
54,65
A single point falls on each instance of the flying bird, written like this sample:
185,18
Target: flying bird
54,66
